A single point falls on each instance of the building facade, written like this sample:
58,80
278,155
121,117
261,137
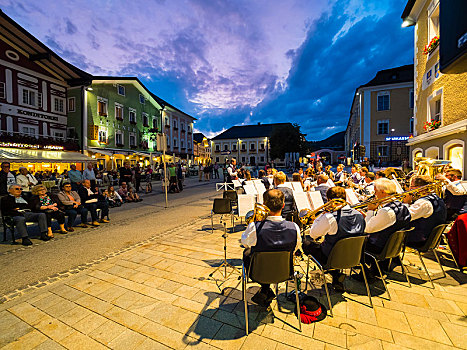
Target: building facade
34,84
440,80
380,121
248,144
201,149
117,121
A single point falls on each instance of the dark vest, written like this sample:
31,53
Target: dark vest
380,238
289,201
455,202
323,189
424,226
349,223
275,236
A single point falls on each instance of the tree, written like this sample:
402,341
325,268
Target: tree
285,139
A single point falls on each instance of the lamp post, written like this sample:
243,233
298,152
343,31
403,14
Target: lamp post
238,149
390,140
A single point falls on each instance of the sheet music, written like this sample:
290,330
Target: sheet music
260,187
246,202
250,189
351,197
398,186
464,184
301,200
289,185
330,183
297,186
236,183
249,182
316,200
271,181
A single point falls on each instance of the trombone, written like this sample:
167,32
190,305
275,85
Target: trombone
307,216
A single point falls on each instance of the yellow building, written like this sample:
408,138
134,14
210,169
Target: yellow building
440,79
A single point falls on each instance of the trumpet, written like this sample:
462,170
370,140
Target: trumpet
307,216
260,213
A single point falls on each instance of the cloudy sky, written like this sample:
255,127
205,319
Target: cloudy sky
231,62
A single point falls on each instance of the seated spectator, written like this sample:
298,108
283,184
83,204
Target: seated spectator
71,202
41,202
123,192
25,179
133,195
93,201
16,207
113,197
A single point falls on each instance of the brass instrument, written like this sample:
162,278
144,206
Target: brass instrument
307,216
260,213
432,167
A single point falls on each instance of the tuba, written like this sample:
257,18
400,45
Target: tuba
307,216
260,213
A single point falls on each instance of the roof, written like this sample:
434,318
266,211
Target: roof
37,52
198,137
159,100
249,131
402,74
408,8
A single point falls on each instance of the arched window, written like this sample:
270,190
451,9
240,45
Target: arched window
456,156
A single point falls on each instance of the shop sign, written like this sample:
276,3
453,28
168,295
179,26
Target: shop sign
12,110
28,146
397,138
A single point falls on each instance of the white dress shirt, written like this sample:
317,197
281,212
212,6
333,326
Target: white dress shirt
383,218
232,173
455,187
24,180
324,224
421,208
249,238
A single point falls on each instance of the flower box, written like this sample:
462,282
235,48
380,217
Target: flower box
433,125
429,48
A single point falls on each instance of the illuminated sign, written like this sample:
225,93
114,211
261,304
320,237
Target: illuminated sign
397,138
25,145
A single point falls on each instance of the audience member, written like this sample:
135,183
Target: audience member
75,176
126,175
113,197
92,201
25,179
41,202
89,174
71,202
7,178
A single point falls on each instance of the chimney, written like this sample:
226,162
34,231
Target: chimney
259,123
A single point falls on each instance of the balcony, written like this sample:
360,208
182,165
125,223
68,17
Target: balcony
119,144
133,146
119,118
262,150
146,125
175,128
243,150
133,121
217,151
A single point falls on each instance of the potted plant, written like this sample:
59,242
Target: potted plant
432,125
431,46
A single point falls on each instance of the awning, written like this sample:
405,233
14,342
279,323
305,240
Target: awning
16,155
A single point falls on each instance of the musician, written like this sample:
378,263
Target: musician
363,171
322,187
272,234
264,179
339,176
455,195
426,212
279,183
381,224
231,171
346,222
380,175
369,188
355,177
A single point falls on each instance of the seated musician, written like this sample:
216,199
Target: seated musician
264,179
363,171
427,212
380,175
279,183
273,234
381,224
455,195
369,189
339,176
322,187
346,222
355,177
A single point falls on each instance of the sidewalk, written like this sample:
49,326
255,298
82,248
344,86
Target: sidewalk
157,295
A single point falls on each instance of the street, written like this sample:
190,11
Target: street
131,223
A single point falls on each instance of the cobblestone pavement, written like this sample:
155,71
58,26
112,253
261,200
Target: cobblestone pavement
157,295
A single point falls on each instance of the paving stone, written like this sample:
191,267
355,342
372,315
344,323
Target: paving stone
28,341
254,341
127,340
107,332
15,331
49,345
79,341
427,328
89,323
391,319
457,334
53,328
229,338
413,342
74,315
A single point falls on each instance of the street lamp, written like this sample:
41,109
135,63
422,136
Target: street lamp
238,149
390,140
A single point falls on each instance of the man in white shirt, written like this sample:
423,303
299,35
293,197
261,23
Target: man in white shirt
25,179
346,222
89,174
455,195
232,171
272,234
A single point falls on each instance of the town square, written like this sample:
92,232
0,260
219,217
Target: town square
233,175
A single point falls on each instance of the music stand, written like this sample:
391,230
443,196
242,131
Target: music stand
224,186
225,263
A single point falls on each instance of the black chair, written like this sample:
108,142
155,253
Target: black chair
270,268
392,249
232,195
221,206
346,254
8,224
431,243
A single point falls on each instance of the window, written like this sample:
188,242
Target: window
132,116
262,158
411,126
102,136
243,159
71,104
28,97
243,146
141,99
145,120
175,143
226,147
456,155
383,151
252,146
2,90
182,144
39,99
121,90
261,146
383,101
217,160
234,147
218,148
132,140
189,127
118,111
58,104
435,108
59,135
182,125
101,106
26,130
411,99
154,122
167,121
433,20
383,127
189,144
119,138
174,124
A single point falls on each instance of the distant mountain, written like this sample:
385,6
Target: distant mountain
335,142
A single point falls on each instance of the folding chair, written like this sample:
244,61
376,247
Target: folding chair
221,206
270,268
